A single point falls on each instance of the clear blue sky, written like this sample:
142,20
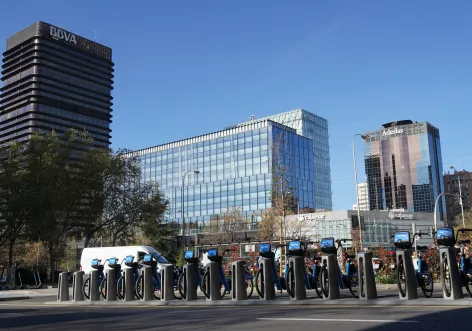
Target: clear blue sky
185,68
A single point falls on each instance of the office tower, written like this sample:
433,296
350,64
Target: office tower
403,165
54,79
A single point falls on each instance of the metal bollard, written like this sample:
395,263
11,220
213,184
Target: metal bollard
148,286
129,285
446,255
296,262
366,282
333,284
190,283
167,283
238,281
77,284
63,287
268,289
411,292
214,283
111,285
93,286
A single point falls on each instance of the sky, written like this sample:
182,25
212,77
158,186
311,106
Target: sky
185,68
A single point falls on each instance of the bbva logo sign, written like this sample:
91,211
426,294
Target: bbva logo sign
60,34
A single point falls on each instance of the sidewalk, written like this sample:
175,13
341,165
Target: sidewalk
26,294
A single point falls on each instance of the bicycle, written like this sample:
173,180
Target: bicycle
424,277
349,280
113,264
225,283
156,278
311,281
189,257
266,251
95,264
465,265
135,266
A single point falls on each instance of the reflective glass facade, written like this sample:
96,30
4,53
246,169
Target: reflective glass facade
403,165
315,128
55,80
234,167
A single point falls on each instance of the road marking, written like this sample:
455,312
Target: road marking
335,320
11,315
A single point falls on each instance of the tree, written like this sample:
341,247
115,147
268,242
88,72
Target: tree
468,225
269,227
13,198
54,180
233,224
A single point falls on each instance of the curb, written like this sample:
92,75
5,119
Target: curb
246,303
15,298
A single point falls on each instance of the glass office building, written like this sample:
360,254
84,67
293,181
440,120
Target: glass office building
55,80
234,170
315,128
403,165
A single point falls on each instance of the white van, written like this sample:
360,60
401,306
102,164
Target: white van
120,252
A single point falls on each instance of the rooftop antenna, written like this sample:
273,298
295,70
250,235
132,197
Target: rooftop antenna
252,118
94,35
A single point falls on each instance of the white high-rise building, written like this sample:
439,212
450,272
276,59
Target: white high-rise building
363,197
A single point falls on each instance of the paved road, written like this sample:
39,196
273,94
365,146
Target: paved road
35,316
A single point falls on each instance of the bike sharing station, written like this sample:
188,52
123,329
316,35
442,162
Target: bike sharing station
136,283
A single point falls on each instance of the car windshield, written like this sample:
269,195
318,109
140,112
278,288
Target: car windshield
159,258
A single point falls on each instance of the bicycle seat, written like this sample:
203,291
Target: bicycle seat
350,256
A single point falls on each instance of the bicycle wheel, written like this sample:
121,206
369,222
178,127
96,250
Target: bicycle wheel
120,287
352,285
290,282
181,285
249,287
260,286
427,285
139,287
324,280
316,287
86,288
206,284
446,277
103,288
401,279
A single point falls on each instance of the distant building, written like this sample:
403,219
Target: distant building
55,80
451,186
404,169
378,227
363,192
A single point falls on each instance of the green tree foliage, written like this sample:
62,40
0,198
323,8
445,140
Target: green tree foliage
53,188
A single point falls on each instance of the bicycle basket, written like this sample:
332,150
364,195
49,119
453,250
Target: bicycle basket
445,236
327,246
129,260
112,261
402,240
265,251
213,255
95,263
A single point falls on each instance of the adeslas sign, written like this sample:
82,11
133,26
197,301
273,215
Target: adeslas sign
389,132
60,34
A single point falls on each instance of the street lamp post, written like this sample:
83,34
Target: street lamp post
357,186
183,210
436,207
460,195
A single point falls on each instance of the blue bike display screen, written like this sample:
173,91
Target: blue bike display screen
95,262
294,246
112,261
129,259
401,237
212,252
189,254
445,236
264,248
147,258
327,243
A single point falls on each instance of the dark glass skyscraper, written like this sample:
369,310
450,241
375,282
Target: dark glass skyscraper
403,165
55,80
